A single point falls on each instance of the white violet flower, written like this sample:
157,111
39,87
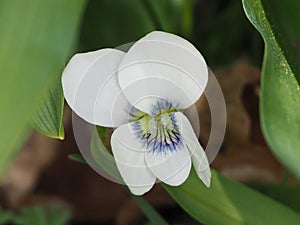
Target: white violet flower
142,93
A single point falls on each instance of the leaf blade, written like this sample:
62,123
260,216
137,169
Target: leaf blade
35,41
228,202
48,118
280,92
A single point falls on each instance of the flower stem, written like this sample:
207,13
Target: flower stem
152,215
187,18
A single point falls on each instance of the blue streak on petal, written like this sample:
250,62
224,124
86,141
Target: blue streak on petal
159,133
162,106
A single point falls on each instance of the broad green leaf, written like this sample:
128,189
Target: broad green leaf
286,194
48,118
228,202
36,37
278,23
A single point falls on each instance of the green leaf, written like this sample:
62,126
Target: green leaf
165,14
286,194
48,118
36,38
37,215
5,217
103,135
278,23
77,158
110,25
58,216
31,216
229,202
103,158
187,17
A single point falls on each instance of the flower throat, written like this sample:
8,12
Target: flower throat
159,131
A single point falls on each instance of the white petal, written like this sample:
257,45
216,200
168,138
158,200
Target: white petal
168,37
91,87
192,115
199,158
162,58
129,154
171,167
